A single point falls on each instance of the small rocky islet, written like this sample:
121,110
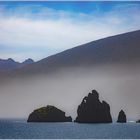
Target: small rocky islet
91,110
138,121
48,114
122,117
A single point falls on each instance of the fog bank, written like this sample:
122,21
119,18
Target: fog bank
116,84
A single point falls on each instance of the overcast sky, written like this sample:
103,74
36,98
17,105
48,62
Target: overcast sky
39,29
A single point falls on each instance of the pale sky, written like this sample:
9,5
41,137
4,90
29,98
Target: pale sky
39,29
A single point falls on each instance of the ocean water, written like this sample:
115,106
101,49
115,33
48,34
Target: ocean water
21,129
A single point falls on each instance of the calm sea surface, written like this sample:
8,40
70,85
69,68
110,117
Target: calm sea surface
20,129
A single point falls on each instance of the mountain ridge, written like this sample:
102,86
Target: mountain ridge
123,48
10,64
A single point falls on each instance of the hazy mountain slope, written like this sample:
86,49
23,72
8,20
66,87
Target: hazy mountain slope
10,64
124,48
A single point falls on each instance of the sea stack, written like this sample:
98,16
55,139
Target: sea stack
48,114
122,117
138,121
91,110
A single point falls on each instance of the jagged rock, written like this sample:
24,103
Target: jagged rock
138,121
122,117
91,110
48,114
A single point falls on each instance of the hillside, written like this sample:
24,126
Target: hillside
119,49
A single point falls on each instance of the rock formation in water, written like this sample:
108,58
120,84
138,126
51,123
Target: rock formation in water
122,117
48,114
138,121
91,110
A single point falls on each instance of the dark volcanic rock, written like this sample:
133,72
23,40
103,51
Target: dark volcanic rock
122,117
138,121
91,110
48,114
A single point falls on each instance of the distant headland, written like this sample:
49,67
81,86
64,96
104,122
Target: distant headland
11,64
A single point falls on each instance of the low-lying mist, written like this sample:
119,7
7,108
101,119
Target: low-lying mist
116,84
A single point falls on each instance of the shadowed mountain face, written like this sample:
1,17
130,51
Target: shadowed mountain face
10,64
27,62
110,65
